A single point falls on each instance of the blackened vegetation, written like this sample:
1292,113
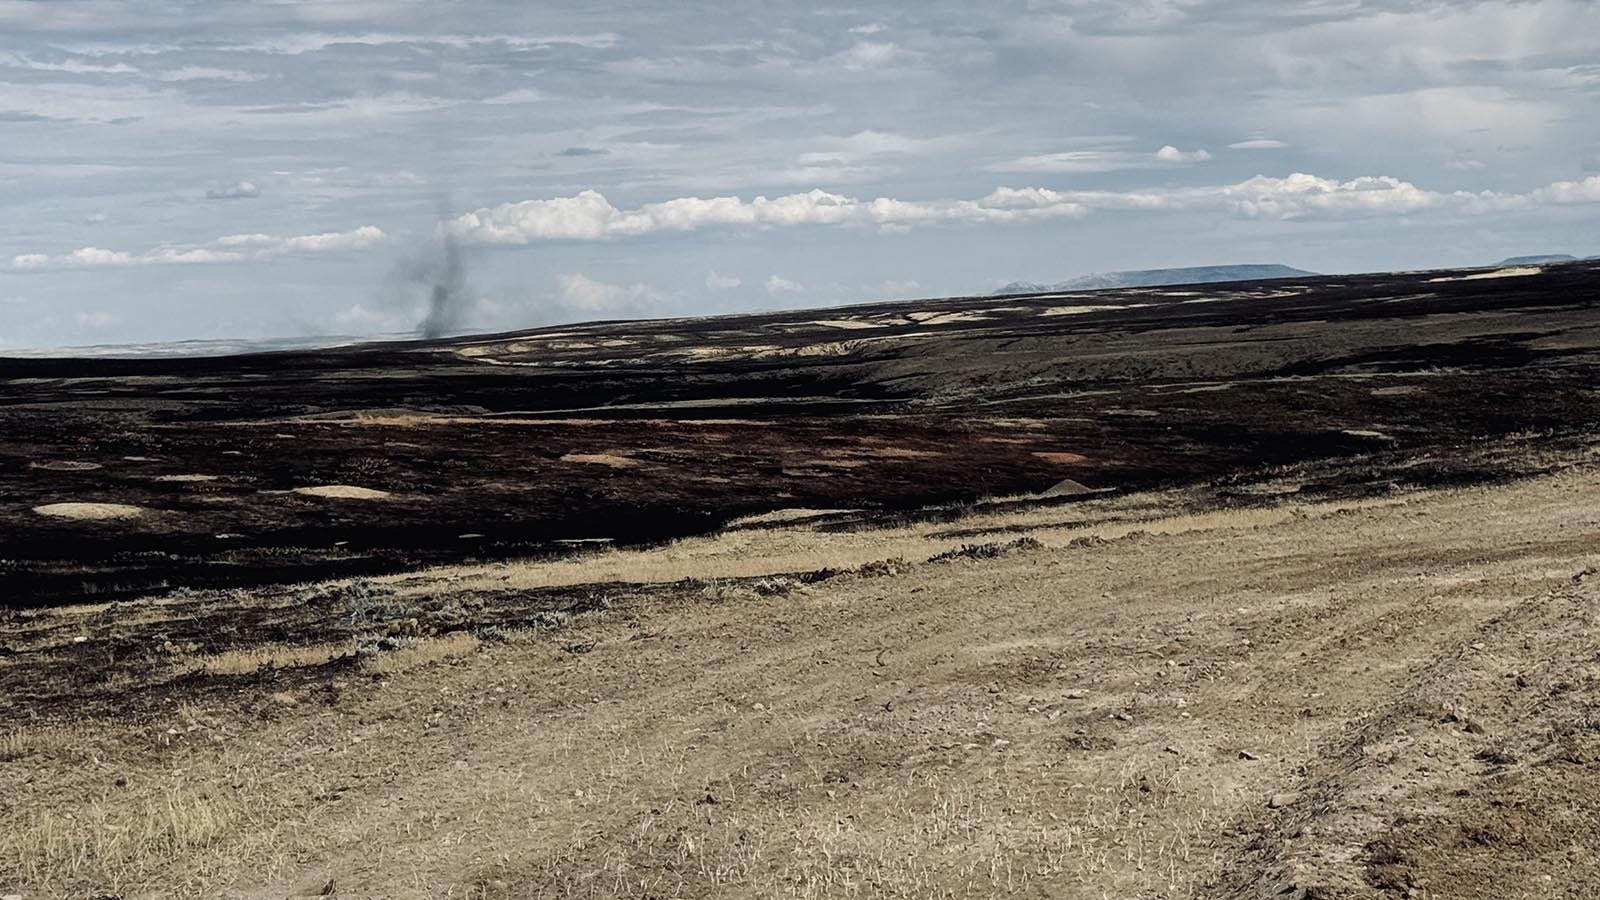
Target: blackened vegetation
641,431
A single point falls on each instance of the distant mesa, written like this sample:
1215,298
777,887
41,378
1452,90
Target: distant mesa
1536,260
1159,278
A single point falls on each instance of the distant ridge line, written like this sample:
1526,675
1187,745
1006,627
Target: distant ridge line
1161,277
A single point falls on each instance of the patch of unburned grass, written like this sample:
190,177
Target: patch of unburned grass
454,645
101,840
249,660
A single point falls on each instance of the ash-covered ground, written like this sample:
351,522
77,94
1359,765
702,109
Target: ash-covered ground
122,477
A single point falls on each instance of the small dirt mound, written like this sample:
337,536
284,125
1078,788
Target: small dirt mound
1066,487
89,512
343,492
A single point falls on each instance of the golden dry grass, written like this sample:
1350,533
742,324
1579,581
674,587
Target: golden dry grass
280,656
105,837
454,645
1059,723
753,553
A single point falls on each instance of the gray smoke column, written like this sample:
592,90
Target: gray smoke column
440,270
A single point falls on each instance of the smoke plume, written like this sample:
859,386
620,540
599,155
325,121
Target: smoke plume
441,273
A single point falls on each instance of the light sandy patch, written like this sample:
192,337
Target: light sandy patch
953,318
1511,272
186,479
846,323
1076,310
342,492
89,512
615,461
1061,457
782,516
65,465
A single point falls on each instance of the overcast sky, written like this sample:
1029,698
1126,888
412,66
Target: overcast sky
207,168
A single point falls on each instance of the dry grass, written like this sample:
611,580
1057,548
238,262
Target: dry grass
454,645
754,553
279,656
17,743
614,460
105,839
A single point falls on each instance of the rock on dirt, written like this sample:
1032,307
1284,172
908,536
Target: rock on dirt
1286,798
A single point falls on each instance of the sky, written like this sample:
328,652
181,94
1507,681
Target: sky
212,169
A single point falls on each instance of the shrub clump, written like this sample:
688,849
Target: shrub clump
987,551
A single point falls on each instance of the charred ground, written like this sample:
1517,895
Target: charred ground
640,431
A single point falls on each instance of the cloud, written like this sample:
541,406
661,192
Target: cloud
1258,144
717,281
96,319
857,157
867,55
892,290
586,295
1083,161
589,216
207,73
230,248
583,151
304,42
1569,192
236,191
1171,154
777,284
1262,197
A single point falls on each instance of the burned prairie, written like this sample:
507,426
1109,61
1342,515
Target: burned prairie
253,469
1269,590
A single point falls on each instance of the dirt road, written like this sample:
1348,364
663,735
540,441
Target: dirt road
1396,697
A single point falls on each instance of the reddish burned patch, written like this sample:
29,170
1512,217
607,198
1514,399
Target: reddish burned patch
1061,458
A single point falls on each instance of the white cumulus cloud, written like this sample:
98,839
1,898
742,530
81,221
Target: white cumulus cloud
1258,144
589,216
1086,161
589,296
238,190
229,248
777,284
717,281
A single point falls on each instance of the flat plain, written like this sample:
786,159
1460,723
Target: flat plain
1280,589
